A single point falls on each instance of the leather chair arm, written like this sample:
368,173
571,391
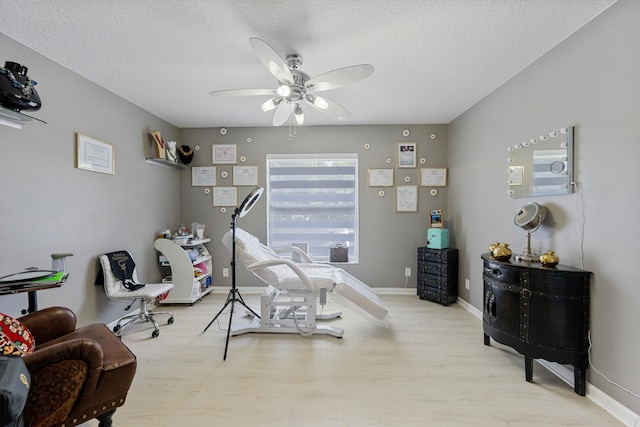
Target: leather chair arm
84,349
50,323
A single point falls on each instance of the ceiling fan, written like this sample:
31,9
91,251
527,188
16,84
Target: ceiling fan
295,86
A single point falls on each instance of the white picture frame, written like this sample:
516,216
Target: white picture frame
245,175
407,198
381,177
224,154
94,155
407,154
433,177
225,196
203,176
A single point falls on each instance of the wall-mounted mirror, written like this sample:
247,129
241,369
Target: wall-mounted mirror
541,166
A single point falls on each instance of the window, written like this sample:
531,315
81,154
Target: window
313,199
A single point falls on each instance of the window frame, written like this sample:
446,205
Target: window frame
353,157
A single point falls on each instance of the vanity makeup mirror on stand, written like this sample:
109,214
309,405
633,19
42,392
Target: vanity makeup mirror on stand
542,166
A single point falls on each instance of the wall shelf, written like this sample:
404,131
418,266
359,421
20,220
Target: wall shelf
16,119
165,163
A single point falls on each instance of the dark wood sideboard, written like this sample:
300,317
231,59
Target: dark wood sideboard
542,312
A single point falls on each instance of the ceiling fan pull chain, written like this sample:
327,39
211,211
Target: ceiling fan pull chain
292,127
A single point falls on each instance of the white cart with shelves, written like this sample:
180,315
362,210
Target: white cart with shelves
191,268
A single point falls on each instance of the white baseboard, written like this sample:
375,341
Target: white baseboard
597,396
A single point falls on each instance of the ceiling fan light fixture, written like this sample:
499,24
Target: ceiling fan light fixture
299,115
284,91
271,104
320,103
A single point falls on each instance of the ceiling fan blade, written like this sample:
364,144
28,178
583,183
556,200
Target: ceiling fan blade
328,107
243,92
282,114
276,65
340,77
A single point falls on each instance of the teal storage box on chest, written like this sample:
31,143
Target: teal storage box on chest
438,238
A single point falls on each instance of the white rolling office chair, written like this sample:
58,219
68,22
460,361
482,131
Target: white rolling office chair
121,282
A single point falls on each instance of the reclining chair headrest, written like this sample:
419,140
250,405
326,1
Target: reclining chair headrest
244,240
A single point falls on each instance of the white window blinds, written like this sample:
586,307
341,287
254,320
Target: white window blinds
313,199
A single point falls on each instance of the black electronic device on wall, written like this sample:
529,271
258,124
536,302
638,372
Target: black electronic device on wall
17,90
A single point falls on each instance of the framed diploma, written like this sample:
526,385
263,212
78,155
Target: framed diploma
407,198
225,196
203,176
245,175
380,177
226,154
433,177
94,155
407,154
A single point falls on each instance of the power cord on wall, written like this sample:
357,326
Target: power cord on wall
581,218
580,210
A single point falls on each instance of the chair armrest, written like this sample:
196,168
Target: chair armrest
50,323
61,375
292,265
304,257
84,349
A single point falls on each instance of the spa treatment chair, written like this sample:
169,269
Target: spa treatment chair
290,301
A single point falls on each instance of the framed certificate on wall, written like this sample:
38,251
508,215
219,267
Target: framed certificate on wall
203,176
226,154
380,177
407,198
225,196
407,154
430,177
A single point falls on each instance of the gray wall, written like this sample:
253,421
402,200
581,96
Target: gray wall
388,240
589,81
47,205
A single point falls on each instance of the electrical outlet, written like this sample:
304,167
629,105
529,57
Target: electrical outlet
225,272
407,272
467,284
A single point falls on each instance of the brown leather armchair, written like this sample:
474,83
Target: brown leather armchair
76,374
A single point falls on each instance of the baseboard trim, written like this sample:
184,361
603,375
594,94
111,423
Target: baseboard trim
597,396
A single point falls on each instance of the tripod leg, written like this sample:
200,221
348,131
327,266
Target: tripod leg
229,300
245,305
226,345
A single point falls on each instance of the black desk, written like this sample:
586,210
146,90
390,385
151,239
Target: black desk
31,287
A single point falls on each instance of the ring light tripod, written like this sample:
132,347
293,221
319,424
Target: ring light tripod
234,294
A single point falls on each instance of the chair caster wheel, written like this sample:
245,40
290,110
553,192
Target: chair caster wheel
170,321
155,334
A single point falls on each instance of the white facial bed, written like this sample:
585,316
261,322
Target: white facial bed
289,304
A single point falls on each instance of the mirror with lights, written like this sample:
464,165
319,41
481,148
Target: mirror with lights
541,166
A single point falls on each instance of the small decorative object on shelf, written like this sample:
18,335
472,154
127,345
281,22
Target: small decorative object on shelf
158,144
502,252
172,151
185,153
549,259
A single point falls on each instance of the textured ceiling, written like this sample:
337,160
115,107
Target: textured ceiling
433,59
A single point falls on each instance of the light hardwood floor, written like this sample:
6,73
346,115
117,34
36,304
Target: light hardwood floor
428,368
